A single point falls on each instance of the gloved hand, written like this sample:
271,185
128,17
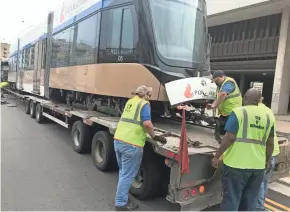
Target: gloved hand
160,139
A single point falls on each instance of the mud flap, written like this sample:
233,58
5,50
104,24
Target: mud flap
210,198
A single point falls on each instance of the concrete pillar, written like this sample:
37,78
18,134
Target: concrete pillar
242,84
281,87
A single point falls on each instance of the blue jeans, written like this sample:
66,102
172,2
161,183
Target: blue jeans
240,188
264,186
129,158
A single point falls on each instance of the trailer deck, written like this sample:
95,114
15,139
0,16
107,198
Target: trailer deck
201,140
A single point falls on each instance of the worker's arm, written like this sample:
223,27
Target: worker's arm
227,89
231,128
146,120
270,145
148,126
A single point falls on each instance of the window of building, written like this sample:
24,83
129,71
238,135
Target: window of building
85,41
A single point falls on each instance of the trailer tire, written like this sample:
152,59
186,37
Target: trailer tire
151,180
81,137
27,106
32,109
103,151
38,113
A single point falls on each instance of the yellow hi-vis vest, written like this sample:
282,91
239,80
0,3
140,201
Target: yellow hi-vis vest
272,116
232,101
130,127
249,149
3,84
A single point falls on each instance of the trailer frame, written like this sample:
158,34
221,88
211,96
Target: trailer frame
199,189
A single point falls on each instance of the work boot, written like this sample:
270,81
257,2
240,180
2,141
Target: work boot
130,206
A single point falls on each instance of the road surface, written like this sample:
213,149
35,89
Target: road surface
40,171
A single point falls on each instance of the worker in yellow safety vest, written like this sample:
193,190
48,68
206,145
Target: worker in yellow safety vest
129,140
247,148
265,183
2,85
228,98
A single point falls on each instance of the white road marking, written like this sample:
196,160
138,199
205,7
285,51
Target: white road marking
280,188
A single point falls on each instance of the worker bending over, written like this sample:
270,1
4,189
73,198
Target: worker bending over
228,98
2,85
247,148
129,140
264,186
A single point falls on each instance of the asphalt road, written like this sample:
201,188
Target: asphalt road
41,171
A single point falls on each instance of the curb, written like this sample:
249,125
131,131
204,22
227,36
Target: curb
282,182
279,133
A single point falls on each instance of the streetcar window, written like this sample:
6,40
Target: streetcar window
26,59
43,59
179,29
85,45
117,35
61,47
31,62
127,31
116,14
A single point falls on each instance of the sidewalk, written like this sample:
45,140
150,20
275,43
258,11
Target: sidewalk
283,127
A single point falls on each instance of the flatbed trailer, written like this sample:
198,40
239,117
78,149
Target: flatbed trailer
93,132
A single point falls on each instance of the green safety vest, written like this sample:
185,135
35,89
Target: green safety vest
130,127
232,101
3,84
272,116
249,149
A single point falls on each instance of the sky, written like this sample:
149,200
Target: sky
17,16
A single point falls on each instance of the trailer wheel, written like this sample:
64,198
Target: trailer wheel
38,113
32,109
147,182
81,136
103,151
27,106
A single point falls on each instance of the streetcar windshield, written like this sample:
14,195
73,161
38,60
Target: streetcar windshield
180,29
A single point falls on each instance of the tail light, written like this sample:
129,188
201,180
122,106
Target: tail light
193,192
201,189
185,194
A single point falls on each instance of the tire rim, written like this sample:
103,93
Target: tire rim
31,108
100,152
27,106
37,112
139,179
77,138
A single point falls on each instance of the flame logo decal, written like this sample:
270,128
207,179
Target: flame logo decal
188,93
62,13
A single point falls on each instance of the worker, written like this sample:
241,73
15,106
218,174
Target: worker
264,186
247,148
2,85
129,140
228,98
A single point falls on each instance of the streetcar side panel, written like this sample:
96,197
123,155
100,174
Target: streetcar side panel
97,53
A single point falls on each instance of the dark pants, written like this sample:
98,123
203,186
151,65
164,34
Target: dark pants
240,188
223,120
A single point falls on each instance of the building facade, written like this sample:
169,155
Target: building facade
4,51
251,42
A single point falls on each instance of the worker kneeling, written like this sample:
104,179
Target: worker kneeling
247,148
129,140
